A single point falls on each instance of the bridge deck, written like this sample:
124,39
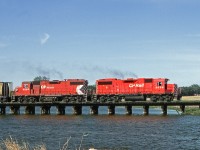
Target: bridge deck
137,103
77,107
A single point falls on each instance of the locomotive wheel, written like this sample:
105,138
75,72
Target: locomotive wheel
102,99
31,100
78,99
167,98
65,100
108,99
71,99
153,98
162,98
25,100
41,100
20,99
114,99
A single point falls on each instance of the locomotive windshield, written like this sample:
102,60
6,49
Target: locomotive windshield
25,86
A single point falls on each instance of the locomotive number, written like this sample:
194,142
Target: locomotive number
25,89
159,87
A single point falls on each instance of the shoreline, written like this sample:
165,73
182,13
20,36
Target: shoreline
189,110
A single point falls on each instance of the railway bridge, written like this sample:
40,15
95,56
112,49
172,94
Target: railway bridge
77,107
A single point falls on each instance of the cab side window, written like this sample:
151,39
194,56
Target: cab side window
25,86
159,83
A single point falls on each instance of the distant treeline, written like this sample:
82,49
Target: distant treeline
190,90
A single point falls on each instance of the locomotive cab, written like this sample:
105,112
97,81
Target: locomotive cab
24,89
160,85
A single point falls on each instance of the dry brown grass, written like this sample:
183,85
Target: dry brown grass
12,144
190,98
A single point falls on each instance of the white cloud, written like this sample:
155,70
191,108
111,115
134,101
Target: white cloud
45,38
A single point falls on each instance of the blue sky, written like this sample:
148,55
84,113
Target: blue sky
94,39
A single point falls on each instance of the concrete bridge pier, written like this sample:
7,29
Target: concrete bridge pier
111,110
15,110
45,110
61,110
182,107
2,110
77,110
94,110
164,109
30,110
129,110
146,110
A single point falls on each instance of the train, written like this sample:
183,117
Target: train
78,90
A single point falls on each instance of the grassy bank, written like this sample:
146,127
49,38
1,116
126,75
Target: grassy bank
190,98
189,110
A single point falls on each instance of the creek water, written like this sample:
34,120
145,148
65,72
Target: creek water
103,131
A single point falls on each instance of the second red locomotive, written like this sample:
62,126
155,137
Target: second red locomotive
112,89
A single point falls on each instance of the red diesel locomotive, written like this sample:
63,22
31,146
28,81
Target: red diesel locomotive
112,89
49,91
106,90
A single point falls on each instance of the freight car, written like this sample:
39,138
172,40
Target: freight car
156,89
49,91
5,91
